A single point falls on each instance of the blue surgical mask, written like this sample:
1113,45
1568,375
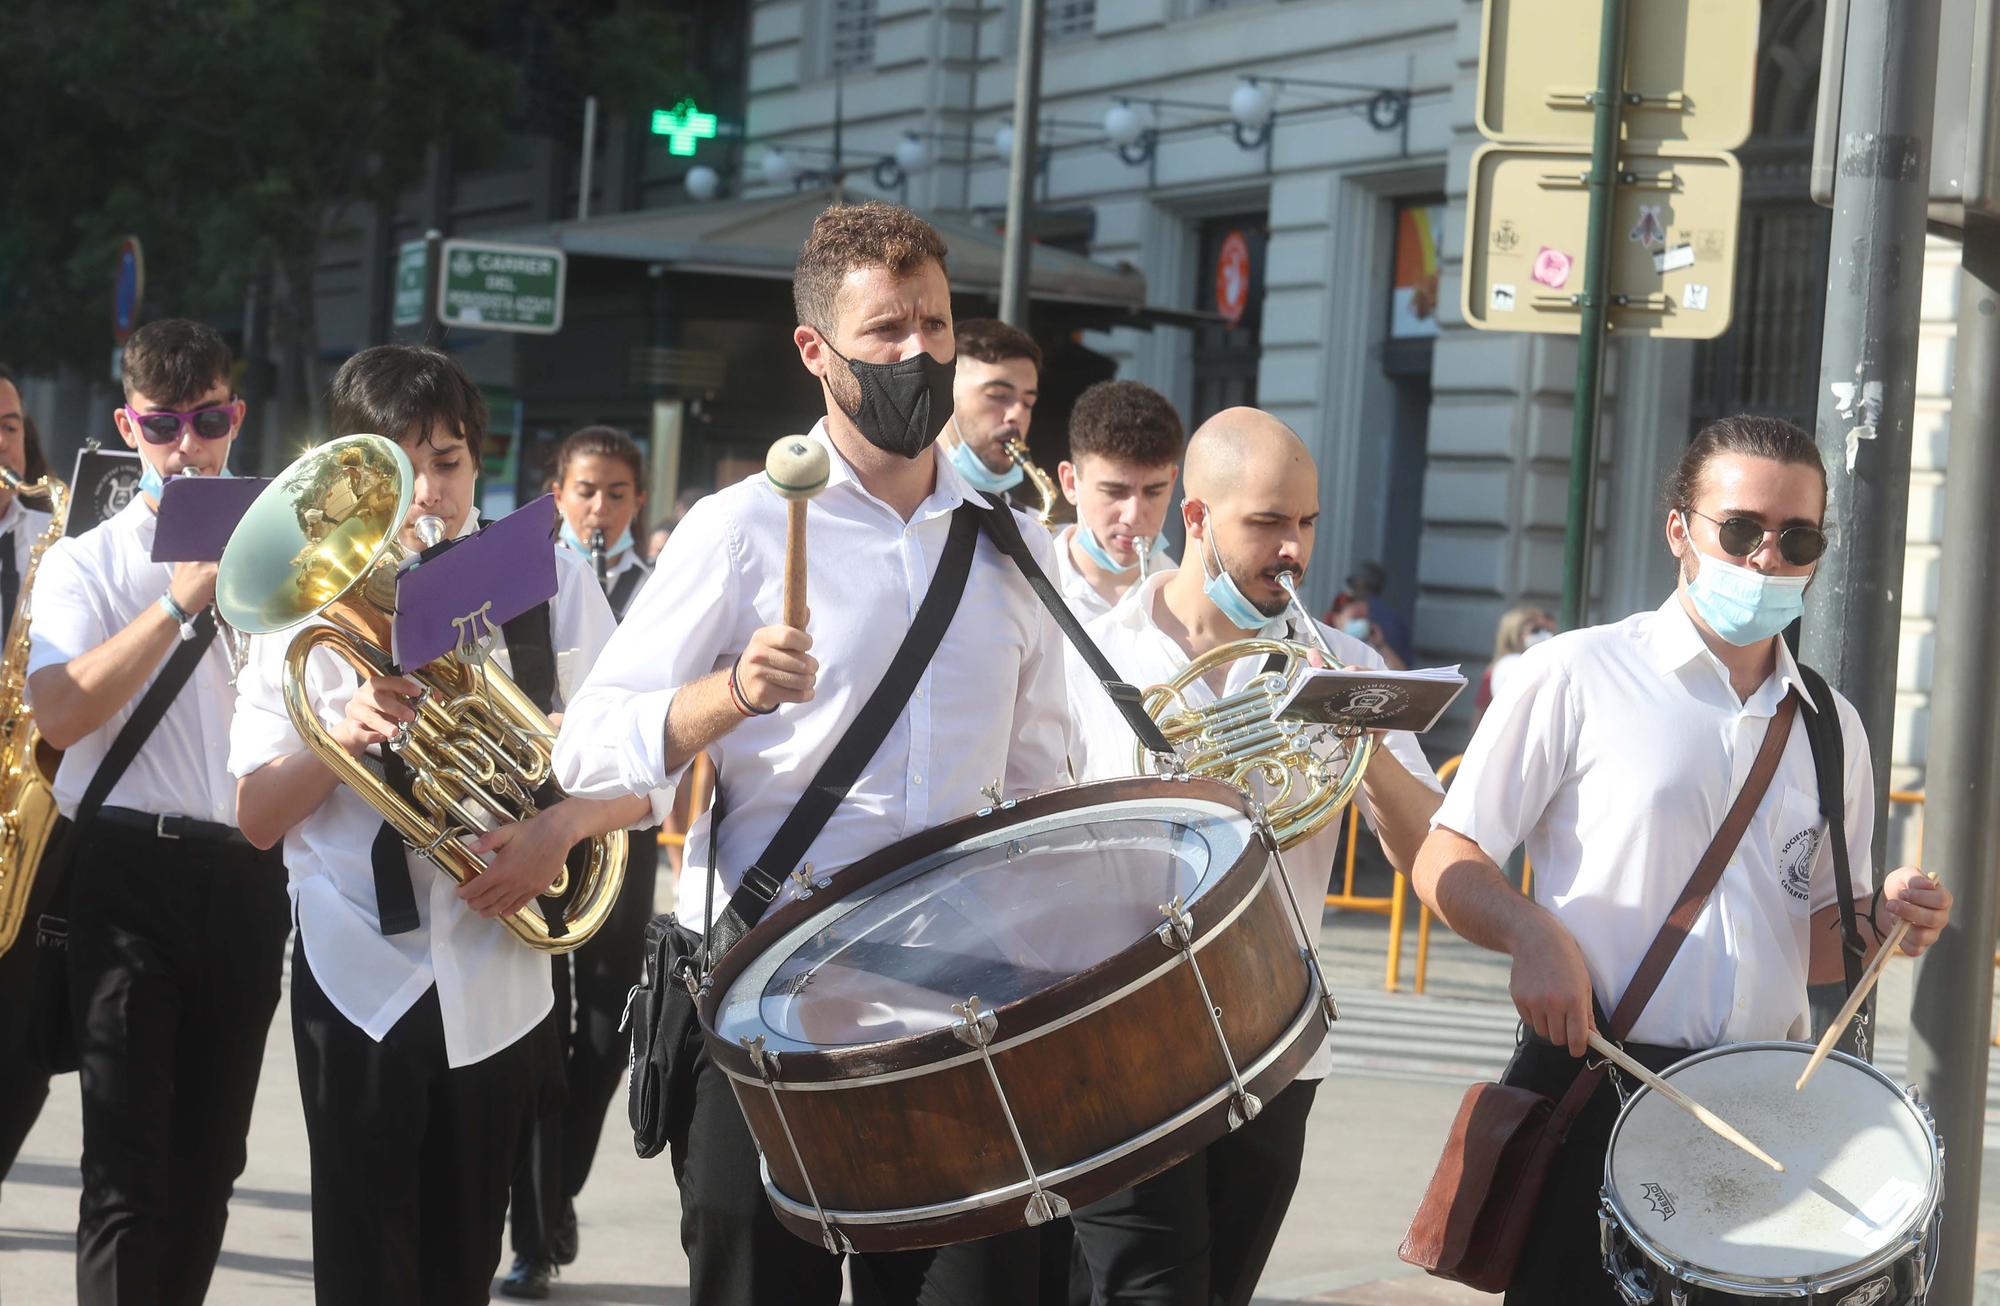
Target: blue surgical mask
1743,606
1357,628
975,471
611,550
1223,591
152,483
1087,540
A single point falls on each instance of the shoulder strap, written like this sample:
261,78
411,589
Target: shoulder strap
1707,874
145,718
763,878
1829,752
1006,532
531,654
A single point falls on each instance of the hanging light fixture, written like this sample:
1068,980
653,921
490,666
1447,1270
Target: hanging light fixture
912,153
777,167
1003,140
702,182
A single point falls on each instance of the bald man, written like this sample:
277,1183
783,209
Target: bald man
1201,1232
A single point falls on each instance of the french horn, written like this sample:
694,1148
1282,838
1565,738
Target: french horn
320,542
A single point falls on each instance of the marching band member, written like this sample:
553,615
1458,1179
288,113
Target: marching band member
704,664
994,387
421,1053
24,1075
1124,453
1201,1231
1613,753
177,924
598,481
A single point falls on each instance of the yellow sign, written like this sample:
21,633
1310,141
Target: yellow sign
1673,242
1690,71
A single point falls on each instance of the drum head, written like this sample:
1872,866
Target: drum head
1002,915
1861,1166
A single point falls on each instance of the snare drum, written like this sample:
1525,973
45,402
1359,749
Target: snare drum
1687,1218
1034,1006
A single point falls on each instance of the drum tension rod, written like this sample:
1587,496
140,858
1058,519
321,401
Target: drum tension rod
975,1028
1178,932
830,1235
1308,948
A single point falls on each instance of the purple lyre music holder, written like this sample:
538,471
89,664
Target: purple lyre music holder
198,513
464,593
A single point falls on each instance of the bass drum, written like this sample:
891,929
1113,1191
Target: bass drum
1690,1220
1028,1008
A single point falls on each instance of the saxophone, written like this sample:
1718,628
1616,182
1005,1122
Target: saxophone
1044,487
27,763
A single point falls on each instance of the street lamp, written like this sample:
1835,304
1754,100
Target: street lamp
1130,127
777,167
702,182
1003,141
1252,107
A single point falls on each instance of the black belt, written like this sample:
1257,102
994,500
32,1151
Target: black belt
171,827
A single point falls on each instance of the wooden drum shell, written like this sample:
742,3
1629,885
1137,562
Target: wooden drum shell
1111,1075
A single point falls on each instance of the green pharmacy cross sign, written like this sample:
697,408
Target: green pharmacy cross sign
683,125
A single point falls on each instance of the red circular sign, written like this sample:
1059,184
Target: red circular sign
1232,278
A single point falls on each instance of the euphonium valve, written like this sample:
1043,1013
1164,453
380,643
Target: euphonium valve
320,542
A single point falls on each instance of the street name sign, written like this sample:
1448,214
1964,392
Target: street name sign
490,287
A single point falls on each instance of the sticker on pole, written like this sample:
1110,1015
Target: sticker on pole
501,287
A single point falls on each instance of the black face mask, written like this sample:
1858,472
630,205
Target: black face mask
903,405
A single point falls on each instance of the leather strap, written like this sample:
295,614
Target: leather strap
1707,874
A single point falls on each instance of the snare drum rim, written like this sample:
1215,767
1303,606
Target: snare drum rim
1910,1236
1239,881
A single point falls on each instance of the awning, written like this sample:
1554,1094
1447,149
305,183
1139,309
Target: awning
762,236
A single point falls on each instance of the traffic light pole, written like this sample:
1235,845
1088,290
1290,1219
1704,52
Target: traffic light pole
1021,168
1606,102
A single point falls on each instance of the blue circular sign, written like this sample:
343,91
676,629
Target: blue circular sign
128,288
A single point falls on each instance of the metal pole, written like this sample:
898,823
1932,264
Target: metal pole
1868,363
1021,168
1607,100
589,158
433,281
1954,985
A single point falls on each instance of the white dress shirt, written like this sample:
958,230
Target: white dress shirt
89,588
21,526
1614,753
1144,655
989,709
1082,597
491,987
614,571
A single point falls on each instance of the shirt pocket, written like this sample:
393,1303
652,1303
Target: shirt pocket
1796,840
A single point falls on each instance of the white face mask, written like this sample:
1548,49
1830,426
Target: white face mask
1535,637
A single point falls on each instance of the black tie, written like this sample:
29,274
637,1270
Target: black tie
10,584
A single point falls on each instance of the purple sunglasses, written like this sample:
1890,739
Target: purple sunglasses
163,427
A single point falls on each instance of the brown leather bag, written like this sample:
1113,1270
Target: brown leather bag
1474,1216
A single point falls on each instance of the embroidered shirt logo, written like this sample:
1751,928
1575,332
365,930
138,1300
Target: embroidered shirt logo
1659,1199
1795,862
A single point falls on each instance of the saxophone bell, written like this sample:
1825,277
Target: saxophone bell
1044,487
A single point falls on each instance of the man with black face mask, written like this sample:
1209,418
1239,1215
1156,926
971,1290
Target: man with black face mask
703,663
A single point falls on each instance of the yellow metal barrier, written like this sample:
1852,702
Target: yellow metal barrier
1390,906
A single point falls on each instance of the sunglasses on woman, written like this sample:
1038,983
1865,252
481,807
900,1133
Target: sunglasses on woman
1740,537
163,427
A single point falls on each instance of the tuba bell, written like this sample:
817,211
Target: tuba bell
1302,772
320,542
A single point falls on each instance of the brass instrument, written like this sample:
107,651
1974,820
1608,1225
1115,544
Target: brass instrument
320,541
1043,485
27,763
1308,772
597,560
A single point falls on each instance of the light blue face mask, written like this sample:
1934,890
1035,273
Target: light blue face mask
974,469
1224,593
1743,606
1087,540
1358,628
611,550
151,483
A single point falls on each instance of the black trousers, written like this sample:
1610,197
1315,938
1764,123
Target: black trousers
738,1253
411,1158
591,986
1200,1233
25,997
1561,1260
175,955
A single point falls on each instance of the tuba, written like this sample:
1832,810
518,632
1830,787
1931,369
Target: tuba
27,763
1302,772
320,541
1043,485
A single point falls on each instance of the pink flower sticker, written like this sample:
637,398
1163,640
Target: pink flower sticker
1552,268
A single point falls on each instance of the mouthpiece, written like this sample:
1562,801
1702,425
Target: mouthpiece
429,530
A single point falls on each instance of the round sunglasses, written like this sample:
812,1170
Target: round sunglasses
1800,546
164,427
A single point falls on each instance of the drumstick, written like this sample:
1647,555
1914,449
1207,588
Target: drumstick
1617,1056
796,467
1853,1003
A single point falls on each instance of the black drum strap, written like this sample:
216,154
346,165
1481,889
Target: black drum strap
1829,754
764,877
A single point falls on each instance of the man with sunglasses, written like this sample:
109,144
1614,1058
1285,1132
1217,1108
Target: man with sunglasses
177,924
1613,753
